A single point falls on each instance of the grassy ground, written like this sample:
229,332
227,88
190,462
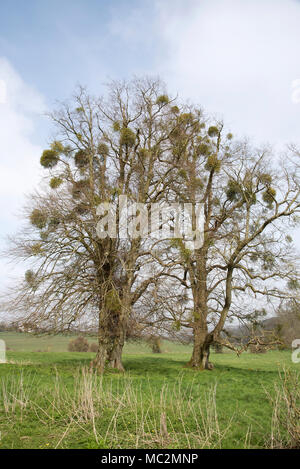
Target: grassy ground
51,400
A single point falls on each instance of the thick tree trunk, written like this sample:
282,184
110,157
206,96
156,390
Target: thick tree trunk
116,349
100,360
109,354
115,358
111,340
104,340
201,351
118,336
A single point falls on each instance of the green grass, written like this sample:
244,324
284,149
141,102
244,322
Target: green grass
47,401
21,342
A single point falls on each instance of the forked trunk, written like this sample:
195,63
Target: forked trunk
201,351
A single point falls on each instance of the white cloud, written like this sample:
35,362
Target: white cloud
19,155
19,152
3,92
296,91
238,58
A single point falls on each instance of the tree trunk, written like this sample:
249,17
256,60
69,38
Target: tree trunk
104,339
100,360
118,330
156,348
116,348
111,339
201,351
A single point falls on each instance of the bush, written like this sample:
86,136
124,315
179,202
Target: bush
78,345
94,347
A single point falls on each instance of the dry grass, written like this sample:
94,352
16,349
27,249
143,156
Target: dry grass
176,419
285,429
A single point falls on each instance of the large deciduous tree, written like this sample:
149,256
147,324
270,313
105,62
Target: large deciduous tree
250,202
138,143
103,148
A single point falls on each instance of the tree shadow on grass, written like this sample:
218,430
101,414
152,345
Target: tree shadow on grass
159,366
165,366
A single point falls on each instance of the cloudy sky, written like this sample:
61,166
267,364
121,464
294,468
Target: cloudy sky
239,59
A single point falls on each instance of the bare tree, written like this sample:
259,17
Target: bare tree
250,201
103,148
138,143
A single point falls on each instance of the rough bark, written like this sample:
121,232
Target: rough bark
201,350
111,340
116,348
104,338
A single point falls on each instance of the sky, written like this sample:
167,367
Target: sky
238,59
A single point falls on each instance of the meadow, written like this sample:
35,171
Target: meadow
50,399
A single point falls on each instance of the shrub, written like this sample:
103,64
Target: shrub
78,345
94,347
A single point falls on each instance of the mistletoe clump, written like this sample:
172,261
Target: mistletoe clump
30,278
213,163
127,137
233,190
55,182
162,99
103,149
116,126
49,158
38,219
269,196
81,159
203,149
213,131
79,187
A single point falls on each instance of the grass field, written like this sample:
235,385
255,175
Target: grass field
49,399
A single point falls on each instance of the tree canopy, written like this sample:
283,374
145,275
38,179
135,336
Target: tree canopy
140,143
